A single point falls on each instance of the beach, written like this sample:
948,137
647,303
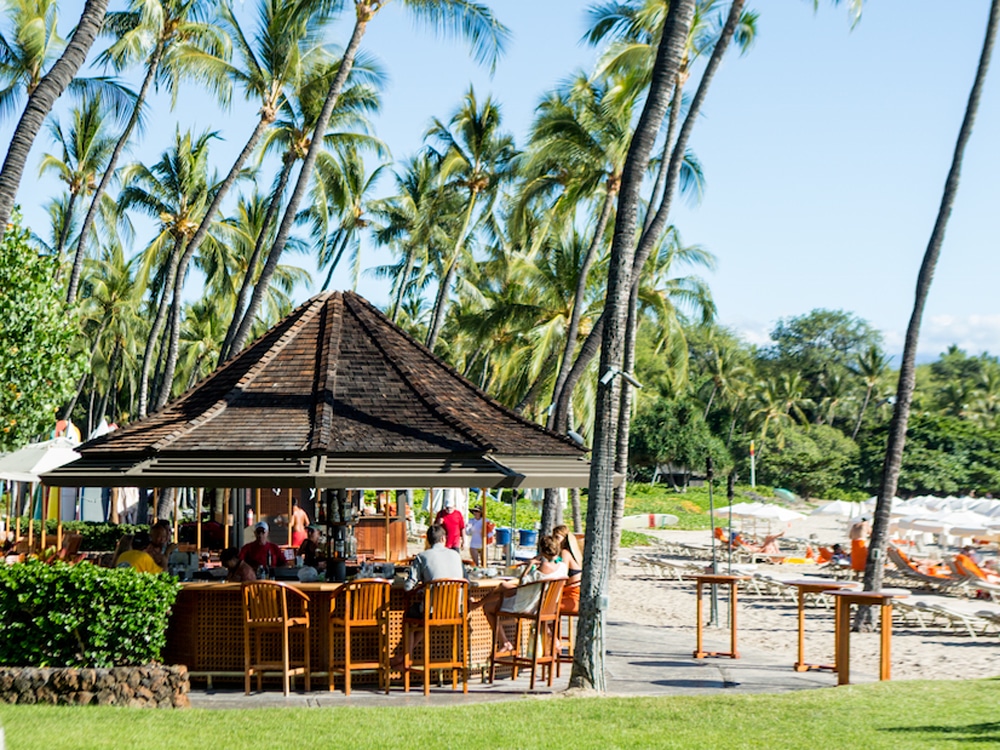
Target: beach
769,623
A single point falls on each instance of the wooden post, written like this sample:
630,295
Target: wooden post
45,517
197,528
225,517
156,502
288,526
114,505
177,512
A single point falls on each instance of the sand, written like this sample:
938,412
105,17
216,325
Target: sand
770,625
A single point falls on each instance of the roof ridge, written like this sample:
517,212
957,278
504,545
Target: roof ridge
306,313
331,328
465,382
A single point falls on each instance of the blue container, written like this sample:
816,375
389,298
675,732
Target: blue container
527,538
503,537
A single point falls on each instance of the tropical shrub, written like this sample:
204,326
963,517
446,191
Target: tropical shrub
63,615
813,461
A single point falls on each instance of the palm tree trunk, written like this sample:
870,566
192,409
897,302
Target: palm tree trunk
588,661
624,423
64,231
251,272
573,329
41,101
654,229
441,302
302,183
336,259
668,142
861,413
404,280
154,332
109,170
90,362
875,565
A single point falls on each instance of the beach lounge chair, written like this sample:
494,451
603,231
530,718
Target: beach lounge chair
909,570
965,567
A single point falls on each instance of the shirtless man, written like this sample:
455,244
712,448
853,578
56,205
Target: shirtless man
300,520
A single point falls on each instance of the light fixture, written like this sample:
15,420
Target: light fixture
612,371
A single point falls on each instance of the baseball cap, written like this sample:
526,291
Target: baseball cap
261,525
312,527
449,502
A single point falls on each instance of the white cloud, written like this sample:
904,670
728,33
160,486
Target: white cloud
975,333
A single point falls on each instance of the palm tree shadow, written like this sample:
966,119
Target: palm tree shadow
983,732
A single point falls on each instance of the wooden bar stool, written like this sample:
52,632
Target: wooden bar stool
360,609
265,612
714,579
543,634
569,612
445,608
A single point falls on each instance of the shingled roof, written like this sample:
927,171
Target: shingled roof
335,395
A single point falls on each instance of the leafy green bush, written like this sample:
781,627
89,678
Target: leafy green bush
97,537
82,615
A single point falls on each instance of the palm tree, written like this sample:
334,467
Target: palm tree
85,150
469,19
874,566
410,223
343,189
176,28
870,366
291,136
175,191
476,159
41,101
779,403
588,662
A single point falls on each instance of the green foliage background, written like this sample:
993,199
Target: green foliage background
38,371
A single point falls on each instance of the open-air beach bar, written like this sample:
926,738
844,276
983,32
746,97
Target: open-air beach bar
332,401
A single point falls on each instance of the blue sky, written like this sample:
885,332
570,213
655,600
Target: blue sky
825,151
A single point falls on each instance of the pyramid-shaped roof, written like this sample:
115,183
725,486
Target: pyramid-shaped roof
334,395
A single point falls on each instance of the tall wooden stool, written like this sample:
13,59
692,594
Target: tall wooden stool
360,609
265,612
445,610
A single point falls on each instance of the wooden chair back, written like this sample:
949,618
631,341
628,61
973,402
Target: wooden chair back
365,602
446,602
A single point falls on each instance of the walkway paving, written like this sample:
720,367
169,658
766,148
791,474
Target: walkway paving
641,661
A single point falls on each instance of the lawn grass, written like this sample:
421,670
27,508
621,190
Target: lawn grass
910,714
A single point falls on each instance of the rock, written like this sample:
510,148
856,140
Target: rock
105,698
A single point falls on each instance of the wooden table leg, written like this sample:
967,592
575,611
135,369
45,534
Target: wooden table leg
800,665
884,672
836,624
698,652
843,649
733,653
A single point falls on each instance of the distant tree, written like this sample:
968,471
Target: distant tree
675,432
813,460
38,371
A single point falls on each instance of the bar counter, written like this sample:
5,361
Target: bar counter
205,631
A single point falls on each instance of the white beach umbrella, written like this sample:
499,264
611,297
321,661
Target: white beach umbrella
841,508
25,464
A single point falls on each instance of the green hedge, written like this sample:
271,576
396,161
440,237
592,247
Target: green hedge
82,615
97,537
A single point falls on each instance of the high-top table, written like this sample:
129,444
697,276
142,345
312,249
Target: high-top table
717,579
815,586
842,631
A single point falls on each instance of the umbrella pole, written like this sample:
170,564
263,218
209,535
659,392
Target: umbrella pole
731,495
714,613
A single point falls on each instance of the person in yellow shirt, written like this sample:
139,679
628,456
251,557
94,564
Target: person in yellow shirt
138,558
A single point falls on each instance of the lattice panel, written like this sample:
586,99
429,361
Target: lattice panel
206,630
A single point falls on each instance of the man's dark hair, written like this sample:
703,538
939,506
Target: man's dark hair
140,541
228,554
436,533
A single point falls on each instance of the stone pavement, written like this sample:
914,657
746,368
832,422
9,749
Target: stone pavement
642,661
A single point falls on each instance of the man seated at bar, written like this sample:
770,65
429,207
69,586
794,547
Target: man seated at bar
262,553
435,563
310,550
138,558
239,571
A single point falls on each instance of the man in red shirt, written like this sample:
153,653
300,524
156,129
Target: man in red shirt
454,524
261,551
